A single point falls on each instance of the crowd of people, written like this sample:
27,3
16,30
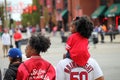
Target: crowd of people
77,63
103,30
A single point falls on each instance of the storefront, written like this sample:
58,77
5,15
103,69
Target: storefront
113,15
98,15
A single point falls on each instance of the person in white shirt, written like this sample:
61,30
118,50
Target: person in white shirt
5,42
119,28
28,32
67,69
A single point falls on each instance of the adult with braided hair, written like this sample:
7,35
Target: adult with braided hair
36,68
78,65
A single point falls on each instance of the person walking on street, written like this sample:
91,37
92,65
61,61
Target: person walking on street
111,32
15,58
94,36
62,34
102,32
28,32
36,68
5,41
119,28
17,37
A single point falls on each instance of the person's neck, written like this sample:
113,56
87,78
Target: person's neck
35,55
16,62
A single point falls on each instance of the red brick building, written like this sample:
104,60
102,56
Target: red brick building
98,10
80,7
53,9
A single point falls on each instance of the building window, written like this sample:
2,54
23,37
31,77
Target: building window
103,2
116,1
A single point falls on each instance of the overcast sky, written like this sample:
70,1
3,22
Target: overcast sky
16,13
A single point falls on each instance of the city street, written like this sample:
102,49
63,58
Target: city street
107,55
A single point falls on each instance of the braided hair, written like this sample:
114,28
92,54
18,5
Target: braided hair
84,26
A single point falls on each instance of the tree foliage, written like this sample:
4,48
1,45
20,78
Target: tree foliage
34,17
1,13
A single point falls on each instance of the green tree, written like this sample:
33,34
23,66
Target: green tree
1,13
34,17
26,18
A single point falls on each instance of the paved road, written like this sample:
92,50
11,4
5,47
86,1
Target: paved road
107,55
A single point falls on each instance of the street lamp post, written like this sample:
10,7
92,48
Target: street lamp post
11,22
5,12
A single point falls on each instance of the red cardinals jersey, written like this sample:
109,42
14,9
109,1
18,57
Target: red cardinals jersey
68,70
36,68
77,46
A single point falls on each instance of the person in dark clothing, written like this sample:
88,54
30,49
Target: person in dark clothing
63,37
102,32
111,30
15,57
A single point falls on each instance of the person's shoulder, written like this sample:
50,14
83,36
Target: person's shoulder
64,61
26,61
38,60
93,62
10,71
73,35
22,65
91,59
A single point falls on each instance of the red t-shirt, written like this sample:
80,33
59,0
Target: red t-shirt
78,48
38,68
17,36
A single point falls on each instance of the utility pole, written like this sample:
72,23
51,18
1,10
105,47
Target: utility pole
5,18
